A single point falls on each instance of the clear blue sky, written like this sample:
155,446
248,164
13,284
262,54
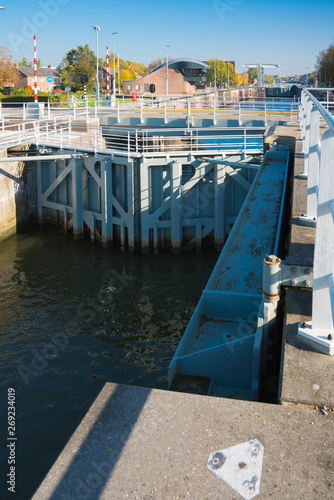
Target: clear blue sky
286,32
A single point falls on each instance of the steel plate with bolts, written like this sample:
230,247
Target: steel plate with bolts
240,467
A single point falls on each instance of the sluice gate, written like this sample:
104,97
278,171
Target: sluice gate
144,203
224,348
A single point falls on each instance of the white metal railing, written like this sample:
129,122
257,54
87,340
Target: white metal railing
319,160
188,107
67,133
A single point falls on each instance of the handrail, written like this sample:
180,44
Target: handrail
318,167
325,114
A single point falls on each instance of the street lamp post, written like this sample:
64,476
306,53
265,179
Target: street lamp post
97,29
167,71
215,73
113,49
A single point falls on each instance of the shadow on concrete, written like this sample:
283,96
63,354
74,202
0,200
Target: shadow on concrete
88,461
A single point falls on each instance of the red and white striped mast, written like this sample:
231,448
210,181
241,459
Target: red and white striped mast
107,72
35,71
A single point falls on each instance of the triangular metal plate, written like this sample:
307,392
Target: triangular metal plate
240,467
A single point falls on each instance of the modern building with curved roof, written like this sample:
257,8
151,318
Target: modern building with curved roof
185,76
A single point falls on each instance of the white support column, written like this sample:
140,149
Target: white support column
176,208
39,193
310,218
319,333
144,205
220,177
106,204
77,199
307,121
131,208
141,112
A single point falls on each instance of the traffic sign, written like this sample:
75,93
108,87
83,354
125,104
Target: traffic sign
84,79
49,79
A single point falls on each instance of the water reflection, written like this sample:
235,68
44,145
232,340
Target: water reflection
74,316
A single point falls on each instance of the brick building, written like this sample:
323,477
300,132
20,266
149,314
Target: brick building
26,78
184,77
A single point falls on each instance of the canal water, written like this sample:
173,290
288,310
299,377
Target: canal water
74,316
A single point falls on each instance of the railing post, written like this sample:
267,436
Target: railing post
128,145
24,111
313,171
37,134
265,113
214,110
307,114
141,112
69,129
319,333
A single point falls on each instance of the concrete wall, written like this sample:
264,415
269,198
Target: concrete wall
18,201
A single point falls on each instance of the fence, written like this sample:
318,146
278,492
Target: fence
187,107
319,158
63,132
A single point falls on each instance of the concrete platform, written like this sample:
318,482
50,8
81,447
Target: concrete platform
138,443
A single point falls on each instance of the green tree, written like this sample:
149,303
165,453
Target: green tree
269,79
83,66
225,72
325,65
77,62
27,63
253,74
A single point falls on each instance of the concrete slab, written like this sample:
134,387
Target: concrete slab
308,376
139,443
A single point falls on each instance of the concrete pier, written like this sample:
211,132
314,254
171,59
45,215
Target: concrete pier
141,443
138,443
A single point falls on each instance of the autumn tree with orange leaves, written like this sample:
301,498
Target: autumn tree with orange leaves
9,74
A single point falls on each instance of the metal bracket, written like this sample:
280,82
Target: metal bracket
296,276
277,274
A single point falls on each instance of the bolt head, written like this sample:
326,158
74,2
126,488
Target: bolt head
330,336
304,325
